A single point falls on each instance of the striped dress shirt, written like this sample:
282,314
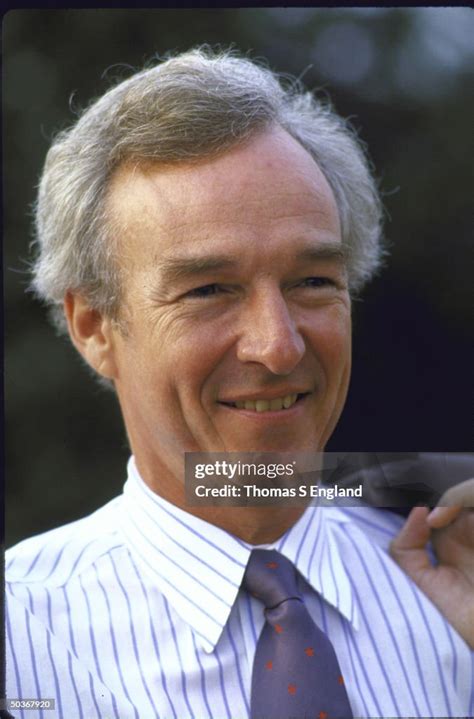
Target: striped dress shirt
136,612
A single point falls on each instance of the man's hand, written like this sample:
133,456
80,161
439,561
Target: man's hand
450,527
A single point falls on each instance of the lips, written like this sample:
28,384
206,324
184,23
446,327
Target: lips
266,405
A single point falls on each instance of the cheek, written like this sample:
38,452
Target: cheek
189,365
173,365
331,338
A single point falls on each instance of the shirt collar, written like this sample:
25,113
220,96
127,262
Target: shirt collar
199,567
313,545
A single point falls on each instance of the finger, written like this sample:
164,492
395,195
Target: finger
408,548
442,516
462,493
451,503
415,533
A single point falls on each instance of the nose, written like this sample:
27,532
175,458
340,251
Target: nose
270,335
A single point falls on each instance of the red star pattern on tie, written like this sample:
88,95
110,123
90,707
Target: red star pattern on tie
295,666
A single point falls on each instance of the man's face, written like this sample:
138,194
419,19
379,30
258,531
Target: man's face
235,305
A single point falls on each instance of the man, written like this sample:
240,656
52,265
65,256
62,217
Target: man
202,228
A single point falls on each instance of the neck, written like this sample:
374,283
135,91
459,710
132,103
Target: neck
252,524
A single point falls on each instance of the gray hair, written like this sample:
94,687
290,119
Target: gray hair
194,105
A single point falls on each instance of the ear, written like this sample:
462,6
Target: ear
92,334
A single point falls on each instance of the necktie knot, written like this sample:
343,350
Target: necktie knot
270,577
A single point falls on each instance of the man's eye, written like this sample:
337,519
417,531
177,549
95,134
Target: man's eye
205,291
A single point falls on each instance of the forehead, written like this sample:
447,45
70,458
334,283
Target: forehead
269,187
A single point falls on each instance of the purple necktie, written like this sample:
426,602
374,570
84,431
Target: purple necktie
296,674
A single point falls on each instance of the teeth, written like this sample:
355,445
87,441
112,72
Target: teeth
266,405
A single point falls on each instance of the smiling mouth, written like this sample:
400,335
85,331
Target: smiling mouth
267,405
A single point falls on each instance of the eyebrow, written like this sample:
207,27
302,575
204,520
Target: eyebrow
333,251
172,269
